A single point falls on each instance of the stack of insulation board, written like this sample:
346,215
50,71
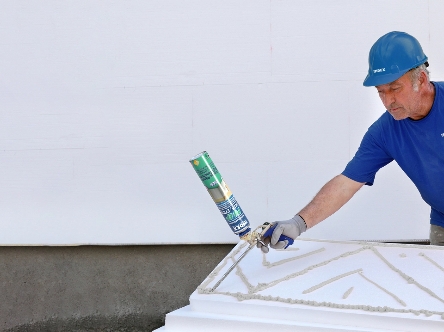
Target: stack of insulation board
319,285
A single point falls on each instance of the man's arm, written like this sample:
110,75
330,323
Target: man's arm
332,196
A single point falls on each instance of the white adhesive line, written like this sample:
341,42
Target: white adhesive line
329,281
431,261
347,293
252,291
376,244
409,279
383,289
288,249
244,279
283,261
242,297
216,271
263,286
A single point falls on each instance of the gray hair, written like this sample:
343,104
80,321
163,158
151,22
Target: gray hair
414,75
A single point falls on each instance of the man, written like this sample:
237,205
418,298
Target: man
411,132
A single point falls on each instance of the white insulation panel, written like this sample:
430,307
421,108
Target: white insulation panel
322,286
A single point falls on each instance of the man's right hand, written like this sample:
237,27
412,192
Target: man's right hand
291,228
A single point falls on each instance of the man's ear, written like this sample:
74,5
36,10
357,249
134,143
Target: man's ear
422,79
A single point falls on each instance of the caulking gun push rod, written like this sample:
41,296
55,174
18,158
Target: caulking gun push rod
267,230
233,266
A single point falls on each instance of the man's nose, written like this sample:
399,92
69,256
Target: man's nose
389,98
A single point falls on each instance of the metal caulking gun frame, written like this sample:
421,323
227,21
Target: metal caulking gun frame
230,208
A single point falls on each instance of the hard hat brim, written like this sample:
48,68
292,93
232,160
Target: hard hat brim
375,80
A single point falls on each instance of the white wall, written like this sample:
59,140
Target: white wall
102,103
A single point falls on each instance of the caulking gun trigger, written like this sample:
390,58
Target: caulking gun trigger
269,231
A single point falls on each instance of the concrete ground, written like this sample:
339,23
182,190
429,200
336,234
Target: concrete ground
99,288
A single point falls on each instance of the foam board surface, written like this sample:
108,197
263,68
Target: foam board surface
320,285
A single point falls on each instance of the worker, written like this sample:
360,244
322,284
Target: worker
411,132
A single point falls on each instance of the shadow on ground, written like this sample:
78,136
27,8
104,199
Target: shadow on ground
127,323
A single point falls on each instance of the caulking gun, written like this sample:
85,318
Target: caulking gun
230,208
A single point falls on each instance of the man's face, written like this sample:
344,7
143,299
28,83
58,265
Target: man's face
400,98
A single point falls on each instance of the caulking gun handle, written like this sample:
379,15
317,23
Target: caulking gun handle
269,232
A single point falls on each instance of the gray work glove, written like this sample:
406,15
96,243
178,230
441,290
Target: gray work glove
291,228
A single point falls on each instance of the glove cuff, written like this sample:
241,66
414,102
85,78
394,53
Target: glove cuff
300,222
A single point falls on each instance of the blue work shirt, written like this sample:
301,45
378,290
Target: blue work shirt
416,145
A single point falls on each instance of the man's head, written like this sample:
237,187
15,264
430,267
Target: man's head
410,96
398,69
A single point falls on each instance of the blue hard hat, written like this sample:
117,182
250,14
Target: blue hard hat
392,56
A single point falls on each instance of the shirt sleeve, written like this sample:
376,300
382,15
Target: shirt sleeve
370,157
